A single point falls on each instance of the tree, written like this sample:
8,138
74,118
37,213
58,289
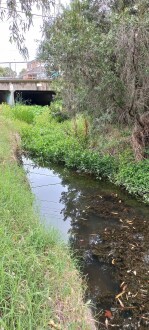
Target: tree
7,72
22,73
68,45
105,71
19,15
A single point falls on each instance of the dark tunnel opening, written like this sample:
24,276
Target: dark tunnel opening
4,95
34,97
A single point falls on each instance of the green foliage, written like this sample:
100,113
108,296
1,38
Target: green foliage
58,142
103,57
67,143
134,177
7,72
34,261
23,112
57,111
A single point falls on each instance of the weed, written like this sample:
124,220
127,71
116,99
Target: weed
70,142
39,281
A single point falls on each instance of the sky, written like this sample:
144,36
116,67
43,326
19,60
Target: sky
9,52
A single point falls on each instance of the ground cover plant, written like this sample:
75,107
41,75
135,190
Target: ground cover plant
72,143
40,286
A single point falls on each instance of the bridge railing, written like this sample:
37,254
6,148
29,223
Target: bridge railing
23,70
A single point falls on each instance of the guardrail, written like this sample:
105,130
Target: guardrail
23,70
32,70
19,78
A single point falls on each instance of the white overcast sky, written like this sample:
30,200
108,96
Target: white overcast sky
9,52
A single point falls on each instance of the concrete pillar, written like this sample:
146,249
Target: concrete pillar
10,97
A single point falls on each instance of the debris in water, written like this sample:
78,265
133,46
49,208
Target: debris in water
108,314
121,303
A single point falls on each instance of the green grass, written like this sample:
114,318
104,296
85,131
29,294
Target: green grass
39,283
107,154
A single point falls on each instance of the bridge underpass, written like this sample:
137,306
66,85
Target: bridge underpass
34,97
26,91
4,96
27,97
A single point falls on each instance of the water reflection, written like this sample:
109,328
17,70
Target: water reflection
84,209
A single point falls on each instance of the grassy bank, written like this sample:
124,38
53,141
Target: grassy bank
107,154
40,286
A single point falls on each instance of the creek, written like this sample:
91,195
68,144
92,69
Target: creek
91,216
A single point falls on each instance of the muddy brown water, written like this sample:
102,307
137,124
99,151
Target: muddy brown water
90,214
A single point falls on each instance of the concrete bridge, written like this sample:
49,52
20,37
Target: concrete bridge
35,91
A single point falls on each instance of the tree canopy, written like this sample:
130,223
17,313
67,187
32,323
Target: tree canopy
7,72
103,54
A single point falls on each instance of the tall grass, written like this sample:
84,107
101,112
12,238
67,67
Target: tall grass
40,286
70,142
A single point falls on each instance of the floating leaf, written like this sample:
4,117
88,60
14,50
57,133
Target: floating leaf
124,287
122,284
121,303
119,295
106,323
108,314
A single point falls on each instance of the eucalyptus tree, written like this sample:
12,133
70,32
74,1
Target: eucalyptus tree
104,70
71,44
19,15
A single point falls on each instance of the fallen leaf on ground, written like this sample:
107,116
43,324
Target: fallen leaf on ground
52,324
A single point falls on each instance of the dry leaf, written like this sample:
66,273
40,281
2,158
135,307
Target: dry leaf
124,287
54,325
119,295
122,284
121,303
106,323
108,314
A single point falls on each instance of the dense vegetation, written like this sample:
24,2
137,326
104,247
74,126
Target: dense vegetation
71,142
40,286
100,49
102,52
